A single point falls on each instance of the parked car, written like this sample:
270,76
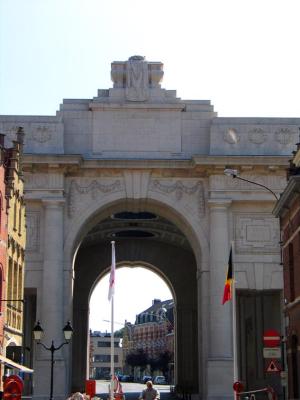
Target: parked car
160,380
127,378
146,378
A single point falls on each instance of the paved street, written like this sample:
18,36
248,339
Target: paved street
131,390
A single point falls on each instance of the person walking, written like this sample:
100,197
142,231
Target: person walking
150,393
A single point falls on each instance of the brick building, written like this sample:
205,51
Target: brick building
288,210
153,331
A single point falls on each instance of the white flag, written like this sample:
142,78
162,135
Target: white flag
112,276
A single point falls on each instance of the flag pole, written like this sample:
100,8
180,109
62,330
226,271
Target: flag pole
111,298
234,332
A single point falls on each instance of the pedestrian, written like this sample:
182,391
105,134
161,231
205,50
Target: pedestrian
150,393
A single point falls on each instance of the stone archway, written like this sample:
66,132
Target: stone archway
174,261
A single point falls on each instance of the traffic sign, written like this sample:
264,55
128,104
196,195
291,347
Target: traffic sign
272,352
273,367
271,338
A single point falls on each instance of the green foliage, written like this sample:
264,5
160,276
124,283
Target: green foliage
119,333
137,358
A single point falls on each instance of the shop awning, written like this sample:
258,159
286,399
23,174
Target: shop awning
10,363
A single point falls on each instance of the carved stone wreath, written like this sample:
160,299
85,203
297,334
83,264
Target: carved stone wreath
284,136
93,188
179,189
257,136
41,133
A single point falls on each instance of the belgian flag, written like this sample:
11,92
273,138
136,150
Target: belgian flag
228,283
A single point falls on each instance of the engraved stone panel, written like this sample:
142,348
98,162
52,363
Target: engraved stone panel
256,233
264,136
33,231
40,136
136,131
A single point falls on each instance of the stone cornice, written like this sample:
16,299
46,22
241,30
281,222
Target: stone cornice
104,106
291,191
61,160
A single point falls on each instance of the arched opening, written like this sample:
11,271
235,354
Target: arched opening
142,238
143,327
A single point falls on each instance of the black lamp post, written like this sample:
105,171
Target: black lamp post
234,174
38,334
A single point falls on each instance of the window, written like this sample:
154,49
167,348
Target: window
15,214
104,358
20,219
106,344
291,272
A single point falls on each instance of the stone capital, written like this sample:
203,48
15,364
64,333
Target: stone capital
219,204
55,202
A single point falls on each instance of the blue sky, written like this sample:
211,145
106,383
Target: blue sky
243,55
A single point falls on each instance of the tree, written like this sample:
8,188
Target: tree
137,358
163,361
119,333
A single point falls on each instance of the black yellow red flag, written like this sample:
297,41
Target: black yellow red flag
227,295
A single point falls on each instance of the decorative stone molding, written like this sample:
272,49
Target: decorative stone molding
231,136
43,181
256,233
36,181
180,189
92,189
137,76
136,183
42,133
257,136
284,136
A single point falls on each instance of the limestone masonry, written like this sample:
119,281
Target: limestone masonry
137,147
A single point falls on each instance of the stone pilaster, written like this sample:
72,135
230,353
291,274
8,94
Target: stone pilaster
52,304
220,362
51,312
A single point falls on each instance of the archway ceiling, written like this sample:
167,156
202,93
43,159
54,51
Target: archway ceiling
158,229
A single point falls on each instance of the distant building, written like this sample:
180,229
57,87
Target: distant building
153,331
152,327
100,355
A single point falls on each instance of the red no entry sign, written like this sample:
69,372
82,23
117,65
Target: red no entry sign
271,338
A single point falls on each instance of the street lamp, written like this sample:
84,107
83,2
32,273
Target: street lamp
234,174
38,333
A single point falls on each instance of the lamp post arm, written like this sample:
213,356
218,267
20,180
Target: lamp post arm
52,348
42,344
59,347
258,184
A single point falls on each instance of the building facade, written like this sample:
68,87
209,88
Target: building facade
153,333
16,230
136,148
3,250
152,327
288,210
101,355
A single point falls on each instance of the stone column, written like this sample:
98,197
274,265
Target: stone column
52,300
220,363
51,312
